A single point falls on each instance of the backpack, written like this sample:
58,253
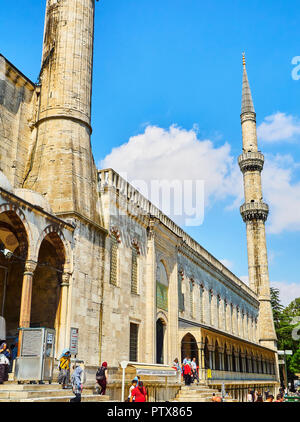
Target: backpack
100,374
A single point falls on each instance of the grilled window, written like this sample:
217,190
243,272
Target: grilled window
133,343
134,272
113,261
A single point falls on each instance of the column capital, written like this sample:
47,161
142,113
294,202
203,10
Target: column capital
65,279
30,267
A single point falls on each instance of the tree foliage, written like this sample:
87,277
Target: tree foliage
286,326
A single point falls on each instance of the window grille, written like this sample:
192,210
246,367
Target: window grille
133,343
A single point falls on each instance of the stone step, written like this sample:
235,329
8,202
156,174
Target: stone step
31,387
192,400
34,393
204,395
84,398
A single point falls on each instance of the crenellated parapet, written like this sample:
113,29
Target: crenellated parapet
254,211
251,161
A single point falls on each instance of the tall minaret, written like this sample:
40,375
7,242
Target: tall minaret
61,165
255,213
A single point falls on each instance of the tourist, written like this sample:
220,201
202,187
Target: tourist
187,373
139,394
259,397
102,378
270,398
77,383
267,392
5,352
279,398
64,368
176,365
216,399
4,364
132,387
14,354
249,397
194,370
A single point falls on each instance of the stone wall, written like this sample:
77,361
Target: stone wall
16,111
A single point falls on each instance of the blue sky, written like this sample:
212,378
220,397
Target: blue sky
164,63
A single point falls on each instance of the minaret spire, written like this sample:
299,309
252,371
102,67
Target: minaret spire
247,102
255,213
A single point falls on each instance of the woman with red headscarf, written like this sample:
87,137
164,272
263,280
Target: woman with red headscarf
101,378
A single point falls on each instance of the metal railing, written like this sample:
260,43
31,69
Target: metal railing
240,376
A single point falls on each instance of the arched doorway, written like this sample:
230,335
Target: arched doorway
189,348
13,237
206,354
45,305
160,339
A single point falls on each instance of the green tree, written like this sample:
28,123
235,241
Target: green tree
283,321
295,363
276,307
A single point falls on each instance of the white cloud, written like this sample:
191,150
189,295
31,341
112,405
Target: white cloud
279,127
288,291
228,264
176,154
245,279
281,193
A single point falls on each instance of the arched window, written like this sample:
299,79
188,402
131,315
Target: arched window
241,361
225,358
234,369
162,287
206,354
192,313
217,357
201,303
134,267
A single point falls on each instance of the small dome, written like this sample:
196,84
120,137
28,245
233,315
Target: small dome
5,183
34,198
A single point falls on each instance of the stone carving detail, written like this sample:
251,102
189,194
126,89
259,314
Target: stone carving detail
115,232
251,161
254,211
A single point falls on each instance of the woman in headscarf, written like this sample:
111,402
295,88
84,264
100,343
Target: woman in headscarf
101,378
4,362
77,383
64,368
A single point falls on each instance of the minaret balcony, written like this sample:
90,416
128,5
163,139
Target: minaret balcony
251,161
256,210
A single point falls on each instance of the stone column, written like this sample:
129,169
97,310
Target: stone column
201,361
150,282
25,310
64,293
174,347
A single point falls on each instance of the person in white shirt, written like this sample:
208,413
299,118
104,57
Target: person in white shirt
133,386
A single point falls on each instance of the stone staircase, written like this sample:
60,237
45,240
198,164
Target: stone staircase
13,392
197,393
